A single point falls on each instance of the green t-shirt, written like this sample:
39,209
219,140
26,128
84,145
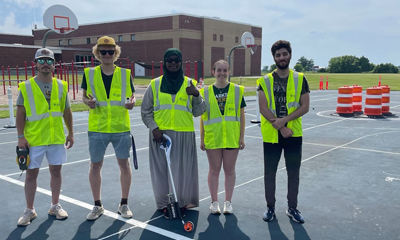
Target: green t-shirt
221,94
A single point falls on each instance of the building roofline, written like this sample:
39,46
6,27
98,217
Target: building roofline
159,16
12,34
49,47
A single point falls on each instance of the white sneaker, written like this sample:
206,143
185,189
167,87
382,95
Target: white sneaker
95,213
58,211
228,209
124,211
27,217
214,208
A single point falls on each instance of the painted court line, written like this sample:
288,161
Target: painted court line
107,213
78,161
78,133
305,160
354,119
352,148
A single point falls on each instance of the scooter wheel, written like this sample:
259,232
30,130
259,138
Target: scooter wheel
188,226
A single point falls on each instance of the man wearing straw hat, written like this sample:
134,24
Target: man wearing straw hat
108,91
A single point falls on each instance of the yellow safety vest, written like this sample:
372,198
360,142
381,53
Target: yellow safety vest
222,131
110,114
177,115
293,93
44,125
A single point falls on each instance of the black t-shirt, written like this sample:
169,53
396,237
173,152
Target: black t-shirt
107,79
280,93
221,94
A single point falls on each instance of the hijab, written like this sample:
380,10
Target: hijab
172,81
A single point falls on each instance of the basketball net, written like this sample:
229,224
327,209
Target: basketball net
253,48
66,30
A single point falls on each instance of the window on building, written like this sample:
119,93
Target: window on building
236,39
221,38
120,38
214,37
133,37
69,41
80,58
59,42
88,40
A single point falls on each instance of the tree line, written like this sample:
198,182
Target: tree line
342,64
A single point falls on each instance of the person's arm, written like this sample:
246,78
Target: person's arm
69,142
202,146
263,104
147,113
303,109
132,99
20,121
242,128
90,101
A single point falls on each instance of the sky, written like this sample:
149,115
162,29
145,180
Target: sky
316,29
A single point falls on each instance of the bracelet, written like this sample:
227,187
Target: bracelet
20,136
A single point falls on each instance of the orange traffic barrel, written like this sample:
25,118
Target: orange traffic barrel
373,101
345,100
357,99
385,99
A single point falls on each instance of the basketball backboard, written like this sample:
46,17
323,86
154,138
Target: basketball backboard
248,42
247,39
60,19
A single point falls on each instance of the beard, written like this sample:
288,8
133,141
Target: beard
282,67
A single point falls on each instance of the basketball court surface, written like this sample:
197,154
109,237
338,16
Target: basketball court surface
349,185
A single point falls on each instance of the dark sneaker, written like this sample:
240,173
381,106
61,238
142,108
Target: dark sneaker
269,215
166,214
295,215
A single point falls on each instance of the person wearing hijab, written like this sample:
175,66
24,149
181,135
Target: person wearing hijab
168,107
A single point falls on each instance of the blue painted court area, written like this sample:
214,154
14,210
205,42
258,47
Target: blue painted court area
349,185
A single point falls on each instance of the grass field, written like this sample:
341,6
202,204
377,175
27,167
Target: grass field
336,80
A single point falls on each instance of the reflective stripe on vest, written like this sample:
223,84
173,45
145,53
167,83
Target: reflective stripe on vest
269,89
158,106
110,114
123,89
222,130
44,125
219,119
173,114
34,116
293,95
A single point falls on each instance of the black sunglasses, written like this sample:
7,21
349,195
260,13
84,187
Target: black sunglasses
42,61
104,52
176,60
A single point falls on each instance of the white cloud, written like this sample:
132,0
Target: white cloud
317,29
24,3
10,26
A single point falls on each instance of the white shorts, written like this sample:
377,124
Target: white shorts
56,154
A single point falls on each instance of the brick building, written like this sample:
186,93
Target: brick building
145,40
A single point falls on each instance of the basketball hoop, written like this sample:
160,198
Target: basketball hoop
66,30
253,48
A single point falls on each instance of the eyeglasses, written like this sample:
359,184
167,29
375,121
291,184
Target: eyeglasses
42,61
104,52
176,60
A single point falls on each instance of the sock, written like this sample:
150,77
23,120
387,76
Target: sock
98,203
124,201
